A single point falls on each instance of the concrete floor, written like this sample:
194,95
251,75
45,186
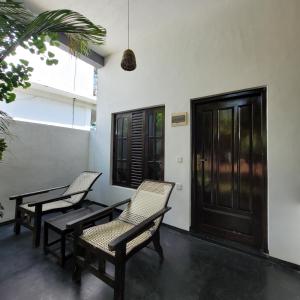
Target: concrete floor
193,269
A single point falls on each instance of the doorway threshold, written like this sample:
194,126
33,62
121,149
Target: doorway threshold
230,244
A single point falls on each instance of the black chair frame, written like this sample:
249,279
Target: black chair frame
83,251
33,219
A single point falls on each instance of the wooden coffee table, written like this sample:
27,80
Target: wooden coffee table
58,225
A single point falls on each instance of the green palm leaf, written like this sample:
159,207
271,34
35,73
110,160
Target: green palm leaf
80,31
15,11
66,21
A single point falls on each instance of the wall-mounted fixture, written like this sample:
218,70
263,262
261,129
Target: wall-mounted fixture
179,119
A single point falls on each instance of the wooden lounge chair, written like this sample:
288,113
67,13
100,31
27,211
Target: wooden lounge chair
30,214
118,240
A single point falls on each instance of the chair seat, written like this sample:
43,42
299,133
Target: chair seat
49,206
100,236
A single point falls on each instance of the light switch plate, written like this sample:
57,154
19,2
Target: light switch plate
179,159
179,187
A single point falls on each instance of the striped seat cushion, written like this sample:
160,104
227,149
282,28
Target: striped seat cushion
100,236
49,206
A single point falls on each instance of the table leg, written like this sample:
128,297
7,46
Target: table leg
37,226
45,237
63,250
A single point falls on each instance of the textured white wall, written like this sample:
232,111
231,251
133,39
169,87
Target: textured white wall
224,46
40,157
47,110
60,76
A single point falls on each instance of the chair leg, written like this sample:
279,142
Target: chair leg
76,275
157,245
120,274
101,265
17,227
119,282
37,226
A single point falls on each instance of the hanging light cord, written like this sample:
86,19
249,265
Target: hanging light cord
128,23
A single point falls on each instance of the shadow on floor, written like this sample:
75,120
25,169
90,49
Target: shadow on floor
193,269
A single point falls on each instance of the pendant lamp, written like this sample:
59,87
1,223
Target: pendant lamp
128,62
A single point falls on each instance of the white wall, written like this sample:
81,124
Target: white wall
42,108
221,46
38,157
62,75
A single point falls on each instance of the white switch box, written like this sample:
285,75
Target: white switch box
179,187
179,159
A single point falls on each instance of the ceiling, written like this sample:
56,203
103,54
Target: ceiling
148,17
110,14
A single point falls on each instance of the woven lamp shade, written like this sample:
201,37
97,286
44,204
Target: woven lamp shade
128,62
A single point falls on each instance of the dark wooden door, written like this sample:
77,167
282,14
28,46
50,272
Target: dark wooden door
229,167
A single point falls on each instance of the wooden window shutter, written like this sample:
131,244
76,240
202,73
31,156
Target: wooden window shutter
137,148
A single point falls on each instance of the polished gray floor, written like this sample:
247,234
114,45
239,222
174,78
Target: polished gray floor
193,269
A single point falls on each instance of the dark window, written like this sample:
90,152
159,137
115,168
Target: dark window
138,146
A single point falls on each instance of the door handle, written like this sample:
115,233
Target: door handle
199,161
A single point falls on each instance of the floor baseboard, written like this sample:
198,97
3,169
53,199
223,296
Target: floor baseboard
285,263
7,222
230,244
176,228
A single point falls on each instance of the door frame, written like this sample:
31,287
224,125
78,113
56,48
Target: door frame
262,91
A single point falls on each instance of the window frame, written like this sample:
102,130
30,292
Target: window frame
115,149
155,137
145,139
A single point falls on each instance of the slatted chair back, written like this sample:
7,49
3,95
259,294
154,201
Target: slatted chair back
150,197
83,182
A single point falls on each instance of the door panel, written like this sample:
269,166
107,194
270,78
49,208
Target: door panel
229,167
207,152
224,157
245,158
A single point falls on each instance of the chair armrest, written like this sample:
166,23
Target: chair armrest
62,197
37,192
94,216
136,230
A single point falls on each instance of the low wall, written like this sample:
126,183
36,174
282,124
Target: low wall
38,157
